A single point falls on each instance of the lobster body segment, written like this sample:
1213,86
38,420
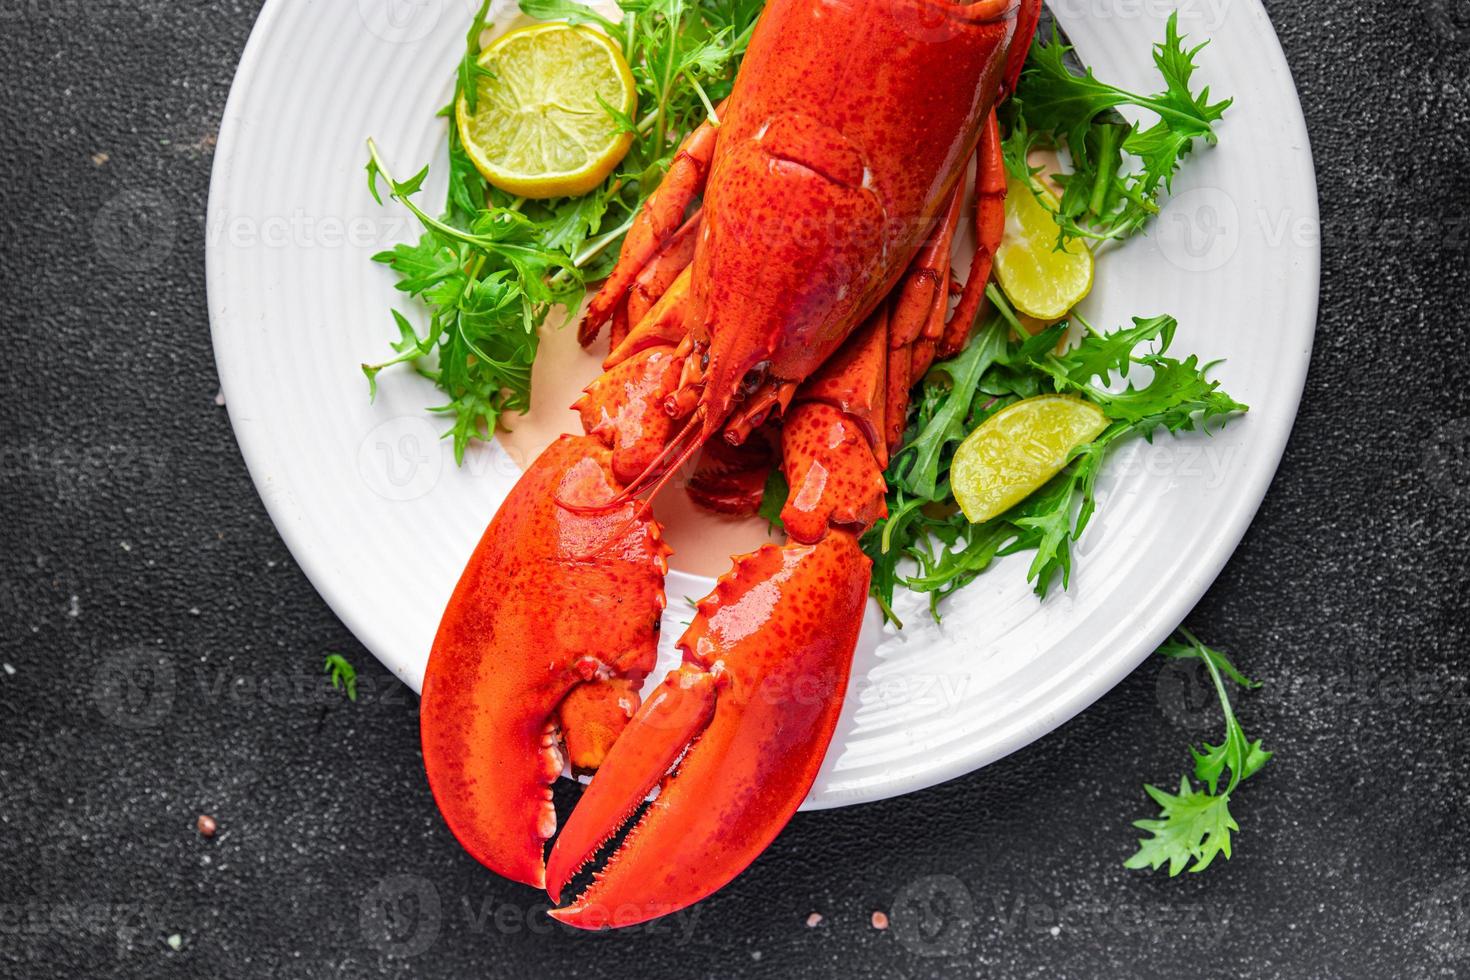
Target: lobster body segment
849,126
772,320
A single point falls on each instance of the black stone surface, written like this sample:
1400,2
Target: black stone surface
135,548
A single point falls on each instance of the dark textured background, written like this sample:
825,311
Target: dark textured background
161,651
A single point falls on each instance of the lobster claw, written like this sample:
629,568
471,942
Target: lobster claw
553,598
734,738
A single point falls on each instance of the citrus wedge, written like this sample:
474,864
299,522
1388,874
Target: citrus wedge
538,129
1038,279
1015,451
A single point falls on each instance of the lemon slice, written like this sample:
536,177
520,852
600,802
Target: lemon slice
1015,451
1039,280
538,129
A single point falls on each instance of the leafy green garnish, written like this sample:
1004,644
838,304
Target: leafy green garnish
342,674
1118,169
1195,824
773,499
924,524
492,267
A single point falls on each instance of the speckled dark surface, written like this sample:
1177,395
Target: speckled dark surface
134,540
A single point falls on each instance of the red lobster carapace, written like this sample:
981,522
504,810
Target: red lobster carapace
782,322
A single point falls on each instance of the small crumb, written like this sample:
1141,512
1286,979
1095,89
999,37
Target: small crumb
125,546
98,159
193,610
219,398
73,607
814,920
755,954
880,921
206,825
9,670
175,942
1056,930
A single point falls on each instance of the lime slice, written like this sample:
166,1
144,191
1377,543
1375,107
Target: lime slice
1039,280
538,129
1015,451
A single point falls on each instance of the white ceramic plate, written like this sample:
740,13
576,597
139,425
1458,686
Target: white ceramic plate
375,511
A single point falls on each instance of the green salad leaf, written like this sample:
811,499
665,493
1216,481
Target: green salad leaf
1119,170
342,674
1003,365
489,269
1195,824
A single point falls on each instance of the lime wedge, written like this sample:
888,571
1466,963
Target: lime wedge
538,129
1015,451
1038,279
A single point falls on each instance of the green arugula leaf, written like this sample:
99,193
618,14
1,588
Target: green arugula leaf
491,268
1196,824
1192,826
773,499
572,13
342,674
923,525
1119,169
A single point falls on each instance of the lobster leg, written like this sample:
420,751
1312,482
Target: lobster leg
675,256
660,218
917,319
735,736
990,226
730,479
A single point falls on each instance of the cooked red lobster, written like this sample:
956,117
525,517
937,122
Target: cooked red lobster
782,322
